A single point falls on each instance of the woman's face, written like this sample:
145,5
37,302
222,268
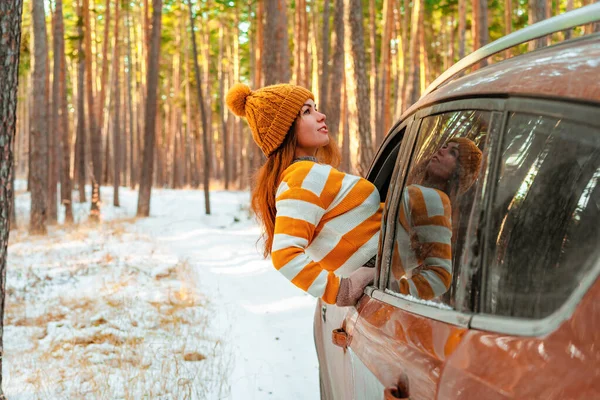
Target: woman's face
444,162
311,131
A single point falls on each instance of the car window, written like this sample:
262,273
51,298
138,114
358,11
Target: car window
545,230
435,205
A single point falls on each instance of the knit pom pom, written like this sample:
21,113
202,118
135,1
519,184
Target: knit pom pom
236,99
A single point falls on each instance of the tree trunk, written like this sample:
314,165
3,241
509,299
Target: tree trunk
143,208
337,70
224,133
301,59
358,86
133,155
80,140
10,32
385,75
480,28
276,64
104,77
412,85
507,22
401,55
259,80
203,116
39,132
537,12
117,133
376,119
62,113
53,149
325,44
462,24
95,139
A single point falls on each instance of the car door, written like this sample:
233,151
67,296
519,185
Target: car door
535,334
400,342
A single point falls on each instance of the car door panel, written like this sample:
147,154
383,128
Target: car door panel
336,373
564,364
402,348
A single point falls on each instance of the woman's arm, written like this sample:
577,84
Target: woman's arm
299,212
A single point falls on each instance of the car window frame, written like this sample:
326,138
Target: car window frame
405,157
579,112
569,109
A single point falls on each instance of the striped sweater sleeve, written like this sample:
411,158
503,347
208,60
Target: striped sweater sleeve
299,211
428,217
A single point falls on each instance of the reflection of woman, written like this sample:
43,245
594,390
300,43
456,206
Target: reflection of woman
319,224
422,258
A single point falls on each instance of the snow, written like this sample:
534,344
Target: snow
412,299
179,305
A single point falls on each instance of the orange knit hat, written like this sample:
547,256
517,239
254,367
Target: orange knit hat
469,158
270,111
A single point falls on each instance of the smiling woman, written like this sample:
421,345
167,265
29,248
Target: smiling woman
320,225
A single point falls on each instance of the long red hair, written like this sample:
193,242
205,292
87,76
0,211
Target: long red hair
268,178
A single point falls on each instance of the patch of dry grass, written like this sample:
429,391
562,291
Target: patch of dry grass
111,343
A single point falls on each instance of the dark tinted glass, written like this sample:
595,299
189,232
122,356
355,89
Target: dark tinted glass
545,216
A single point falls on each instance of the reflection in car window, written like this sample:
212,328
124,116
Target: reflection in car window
435,203
545,215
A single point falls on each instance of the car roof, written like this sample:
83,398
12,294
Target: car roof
568,70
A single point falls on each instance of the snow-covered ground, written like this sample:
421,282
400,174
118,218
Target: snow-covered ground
176,306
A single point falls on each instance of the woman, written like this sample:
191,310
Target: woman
320,225
422,256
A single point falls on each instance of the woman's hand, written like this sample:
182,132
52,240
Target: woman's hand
352,287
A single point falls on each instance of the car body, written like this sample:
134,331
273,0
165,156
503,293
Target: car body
522,317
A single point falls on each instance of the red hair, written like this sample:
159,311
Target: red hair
268,178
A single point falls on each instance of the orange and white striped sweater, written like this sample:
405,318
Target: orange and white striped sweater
422,257
327,225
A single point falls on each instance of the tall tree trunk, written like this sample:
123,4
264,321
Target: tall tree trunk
224,133
537,12
276,61
401,55
133,155
412,85
202,114
62,113
117,133
462,26
10,32
385,75
325,44
95,139
301,58
39,131
143,208
53,142
374,83
508,22
101,99
259,79
423,59
80,140
337,70
358,85
480,28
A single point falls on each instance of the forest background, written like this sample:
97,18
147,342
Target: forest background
131,93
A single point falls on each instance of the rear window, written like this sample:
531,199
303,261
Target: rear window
545,232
